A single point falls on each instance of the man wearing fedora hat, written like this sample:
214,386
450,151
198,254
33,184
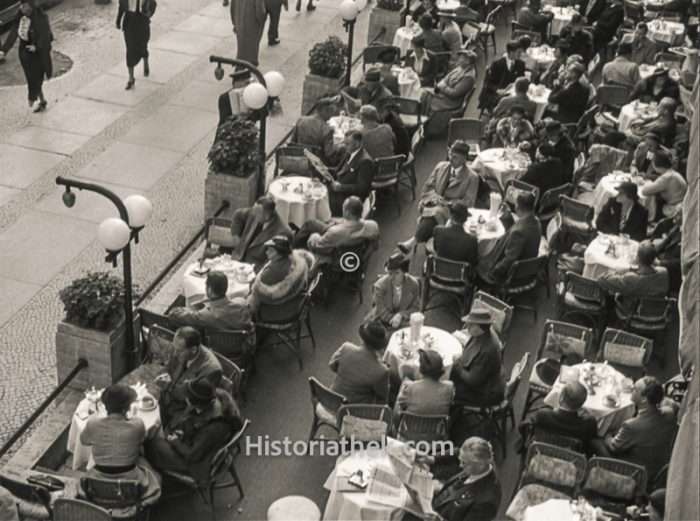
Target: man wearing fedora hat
395,295
369,92
354,174
478,373
360,376
449,182
623,214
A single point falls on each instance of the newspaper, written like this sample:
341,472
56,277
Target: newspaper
317,165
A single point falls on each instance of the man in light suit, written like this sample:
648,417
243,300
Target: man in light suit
217,312
315,131
452,89
521,241
354,175
449,182
396,295
622,70
252,227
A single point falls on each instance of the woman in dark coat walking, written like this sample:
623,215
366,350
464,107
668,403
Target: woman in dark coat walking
34,32
136,15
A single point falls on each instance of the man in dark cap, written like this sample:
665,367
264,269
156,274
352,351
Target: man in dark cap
360,376
428,394
369,92
314,130
395,295
451,241
623,214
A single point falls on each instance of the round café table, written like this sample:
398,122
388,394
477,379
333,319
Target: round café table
539,57
562,18
501,165
341,124
667,32
403,37
240,275
607,188
409,82
487,232
300,199
537,93
634,110
597,261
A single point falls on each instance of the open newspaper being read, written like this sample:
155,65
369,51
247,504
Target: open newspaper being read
317,166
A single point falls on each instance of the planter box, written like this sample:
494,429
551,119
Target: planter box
382,19
316,87
240,192
104,351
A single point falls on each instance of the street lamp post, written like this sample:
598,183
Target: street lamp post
258,96
349,10
115,235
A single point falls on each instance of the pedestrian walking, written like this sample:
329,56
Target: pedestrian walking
309,7
134,18
274,11
248,18
32,28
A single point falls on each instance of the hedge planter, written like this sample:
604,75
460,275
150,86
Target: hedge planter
240,192
316,87
383,19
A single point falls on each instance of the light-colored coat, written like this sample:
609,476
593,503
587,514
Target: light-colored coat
463,188
383,306
221,313
453,88
251,246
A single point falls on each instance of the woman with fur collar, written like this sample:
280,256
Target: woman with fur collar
283,277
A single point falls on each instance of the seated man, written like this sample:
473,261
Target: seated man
451,32
644,154
450,181
564,148
217,312
646,439
431,36
369,92
315,131
558,66
644,49
360,376
377,138
252,227
622,70
568,419
322,238
191,439
451,241
388,58
666,238
547,171
354,175
521,241
514,129
531,17
663,124
570,95
669,186
500,74
518,99
623,214
580,41
606,23
395,295
450,91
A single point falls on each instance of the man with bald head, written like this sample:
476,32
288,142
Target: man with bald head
663,124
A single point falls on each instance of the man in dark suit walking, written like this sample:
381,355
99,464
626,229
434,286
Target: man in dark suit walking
354,175
451,242
500,74
521,241
570,95
274,10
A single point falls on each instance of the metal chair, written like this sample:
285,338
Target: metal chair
555,336
523,277
470,130
339,273
501,313
121,497
506,4
626,352
370,54
218,235
221,463
78,510
557,456
35,496
237,345
514,187
670,60
558,440
418,427
612,97
549,202
317,151
232,375
487,31
325,405
455,279
517,30
289,331
634,13
409,166
160,345
603,496
578,296
149,319
386,177
291,160
410,113
373,413
645,315
498,415
576,219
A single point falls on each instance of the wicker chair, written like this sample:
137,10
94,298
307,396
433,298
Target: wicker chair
33,499
417,427
451,278
325,405
556,337
612,97
601,491
579,296
549,203
410,112
523,277
408,170
291,160
372,413
370,54
78,510
469,130
558,440
498,309
120,496
515,187
576,460
218,235
387,178
337,273
634,13
232,375
221,463
626,352
239,347
647,315
160,344
576,219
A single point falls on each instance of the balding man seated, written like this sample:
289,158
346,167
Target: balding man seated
377,138
663,124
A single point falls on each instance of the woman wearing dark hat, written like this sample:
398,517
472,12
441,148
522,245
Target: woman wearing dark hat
421,62
32,27
360,376
623,214
134,18
428,395
116,443
656,87
395,295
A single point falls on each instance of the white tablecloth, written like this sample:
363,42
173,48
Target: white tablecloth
409,82
550,510
634,110
403,37
537,93
597,261
491,163
562,18
82,455
608,418
486,235
607,188
448,5
539,57
646,70
666,32
194,287
341,124
444,343
295,207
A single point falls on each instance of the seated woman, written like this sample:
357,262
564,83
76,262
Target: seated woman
428,395
421,62
514,129
450,91
395,295
656,87
116,443
431,36
623,214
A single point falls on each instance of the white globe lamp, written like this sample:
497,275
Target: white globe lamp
139,209
275,83
113,234
255,96
349,10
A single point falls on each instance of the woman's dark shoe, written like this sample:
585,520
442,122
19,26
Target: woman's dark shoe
129,84
146,70
310,7
40,107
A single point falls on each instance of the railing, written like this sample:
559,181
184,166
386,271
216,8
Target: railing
82,364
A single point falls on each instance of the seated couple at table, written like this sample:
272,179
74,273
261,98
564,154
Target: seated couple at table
656,87
661,122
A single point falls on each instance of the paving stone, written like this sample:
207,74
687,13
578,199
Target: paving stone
15,294
200,95
164,65
185,43
7,193
22,166
216,10
81,116
110,88
208,26
48,140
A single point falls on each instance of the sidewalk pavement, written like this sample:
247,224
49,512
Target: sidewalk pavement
151,140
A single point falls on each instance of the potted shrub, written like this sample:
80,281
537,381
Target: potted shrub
326,67
93,329
386,14
234,160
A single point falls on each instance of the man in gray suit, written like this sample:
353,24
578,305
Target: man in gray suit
315,131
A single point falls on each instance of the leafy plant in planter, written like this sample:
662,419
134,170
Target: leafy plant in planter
328,58
236,148
95,301
391,5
